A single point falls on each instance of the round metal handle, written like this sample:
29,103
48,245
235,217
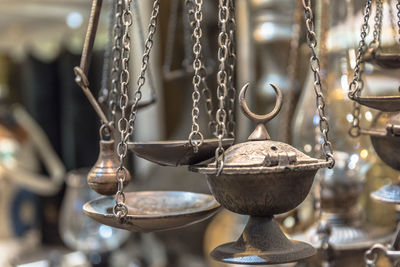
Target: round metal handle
260,118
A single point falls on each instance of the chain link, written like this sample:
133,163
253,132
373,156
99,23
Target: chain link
392,20
205,90
374,45
315,67
196,138
143,42
120,210
371,256
172,23
398,17
116,61
357,84
105,83
207,95
231,70
222,80
145,61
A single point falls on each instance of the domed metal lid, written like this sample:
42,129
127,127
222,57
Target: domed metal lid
260,154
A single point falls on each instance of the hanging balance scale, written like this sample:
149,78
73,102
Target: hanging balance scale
136,211
196,149
385,130
259,178
374,55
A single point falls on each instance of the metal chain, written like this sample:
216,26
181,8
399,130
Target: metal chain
398,17
116,61
374,45
196,138
392,20
104,89
357,84
172,23
143,42
371,257
205,91
120,209
105,93
207,95
231,70
145,61
320,100
222,79
187,38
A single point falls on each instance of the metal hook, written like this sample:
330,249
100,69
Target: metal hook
260,118
260,133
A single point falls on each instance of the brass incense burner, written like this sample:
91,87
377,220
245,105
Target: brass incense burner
262,178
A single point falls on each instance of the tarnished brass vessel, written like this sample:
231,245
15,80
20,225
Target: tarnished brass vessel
262,178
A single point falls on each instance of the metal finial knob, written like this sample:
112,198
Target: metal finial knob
260,133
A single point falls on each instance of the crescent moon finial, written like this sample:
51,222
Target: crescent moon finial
260,118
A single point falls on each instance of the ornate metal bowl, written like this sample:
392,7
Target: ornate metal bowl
258,190
150,211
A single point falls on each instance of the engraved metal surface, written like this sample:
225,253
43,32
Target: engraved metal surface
254,157
177,153
150,211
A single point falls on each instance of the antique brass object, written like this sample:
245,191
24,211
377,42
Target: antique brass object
385,138
177,153
339,200
388,194
384,60
262,178
382,103
102,176
150,211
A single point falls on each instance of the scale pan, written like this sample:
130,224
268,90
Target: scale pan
387,194
150,211
384,60
176,153
383,103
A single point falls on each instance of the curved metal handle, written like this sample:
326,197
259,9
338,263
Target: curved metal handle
260,118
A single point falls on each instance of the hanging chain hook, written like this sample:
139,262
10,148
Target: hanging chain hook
357,84
196,138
